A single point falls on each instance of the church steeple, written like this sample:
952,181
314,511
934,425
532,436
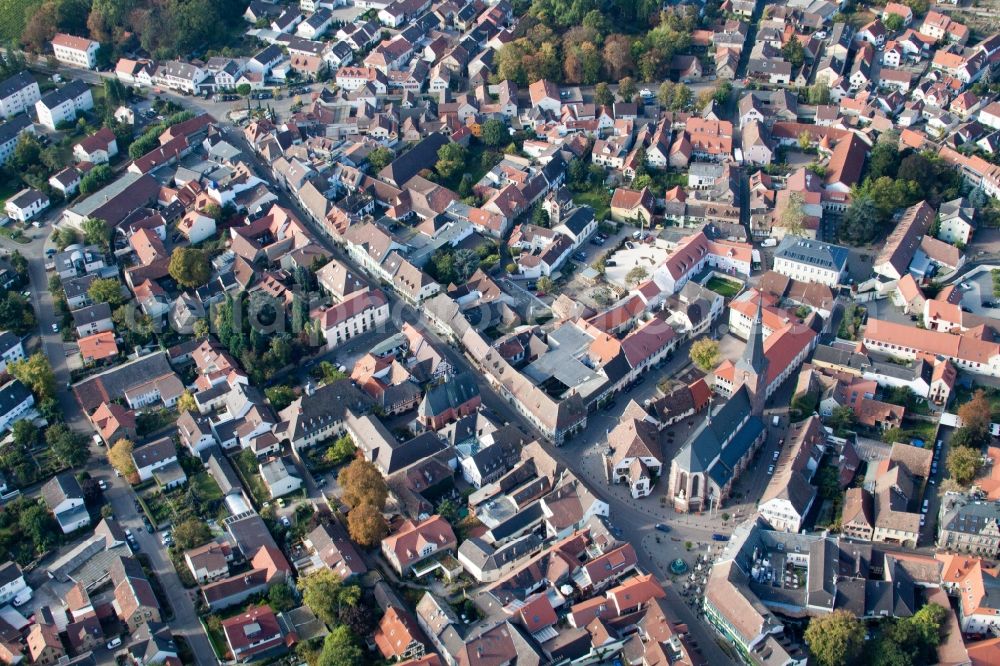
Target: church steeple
752,366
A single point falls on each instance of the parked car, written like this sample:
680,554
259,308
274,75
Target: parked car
770,470
114,642
719,537
102,484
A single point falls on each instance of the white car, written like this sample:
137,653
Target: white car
646,92
114,642
55,328
770,470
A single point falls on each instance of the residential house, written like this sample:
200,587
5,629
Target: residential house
414,542
98,148
15,401
75,51
26,204
18,93
280,477
63,104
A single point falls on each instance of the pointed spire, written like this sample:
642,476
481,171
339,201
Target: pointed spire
753,358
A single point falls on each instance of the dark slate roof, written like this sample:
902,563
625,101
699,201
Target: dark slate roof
113,383
8,341
9,572
61,487
812,253
579,219
394,458
13,394
13,127
18,82
91,314
71,90
706,443
457,391
410,163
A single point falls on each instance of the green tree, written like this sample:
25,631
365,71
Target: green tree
893,22
380,158
861,222
603,95
340,649
35,373
340,450
96,232
280,396
243,89
38,526
69,447
835,639
963,462
191,533
115,92
704,353
106,290
842,419
545,284
451,160
819,93
883,160
723,92
189,266
794,52
25,433
627,89
280,598
16,313
200,328
665,94
95,179
325,594
494,133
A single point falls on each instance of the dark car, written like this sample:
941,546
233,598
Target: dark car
663,527
580,256
719,537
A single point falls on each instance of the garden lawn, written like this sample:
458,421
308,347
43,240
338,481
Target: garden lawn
723,287
596,198
206,487
8,188
247,466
